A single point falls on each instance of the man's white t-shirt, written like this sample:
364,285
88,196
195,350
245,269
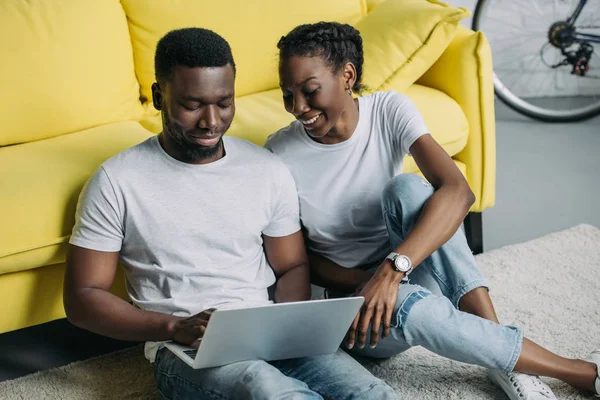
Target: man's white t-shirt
340,185
189,236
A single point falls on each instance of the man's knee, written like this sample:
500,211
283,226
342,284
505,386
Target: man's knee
259,379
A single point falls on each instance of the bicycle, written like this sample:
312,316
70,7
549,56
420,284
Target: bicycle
555,53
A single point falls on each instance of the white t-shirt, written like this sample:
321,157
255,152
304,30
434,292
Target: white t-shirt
189,236
340,185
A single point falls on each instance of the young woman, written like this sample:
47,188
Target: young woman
368,226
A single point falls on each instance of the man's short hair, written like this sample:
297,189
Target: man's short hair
190,47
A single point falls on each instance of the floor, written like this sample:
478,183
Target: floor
547,180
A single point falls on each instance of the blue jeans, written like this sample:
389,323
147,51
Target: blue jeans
332,376
426,312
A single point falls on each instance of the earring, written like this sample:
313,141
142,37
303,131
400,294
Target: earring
349,91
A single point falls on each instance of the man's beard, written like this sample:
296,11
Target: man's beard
189,152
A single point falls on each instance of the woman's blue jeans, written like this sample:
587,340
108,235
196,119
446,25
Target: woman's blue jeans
426,312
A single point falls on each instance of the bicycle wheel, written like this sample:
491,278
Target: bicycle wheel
528,40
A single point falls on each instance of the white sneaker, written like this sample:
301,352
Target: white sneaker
595,358
520,386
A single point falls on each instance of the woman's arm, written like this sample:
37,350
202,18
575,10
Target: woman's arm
330,275
439,220
445,210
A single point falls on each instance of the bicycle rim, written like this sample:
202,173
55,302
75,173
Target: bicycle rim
518,34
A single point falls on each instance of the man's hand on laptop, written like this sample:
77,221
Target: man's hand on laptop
188,331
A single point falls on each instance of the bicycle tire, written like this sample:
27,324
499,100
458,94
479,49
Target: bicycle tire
521,106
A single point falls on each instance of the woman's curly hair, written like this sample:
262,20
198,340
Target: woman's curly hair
334,42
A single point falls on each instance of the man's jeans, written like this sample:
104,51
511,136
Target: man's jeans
332,376
424,318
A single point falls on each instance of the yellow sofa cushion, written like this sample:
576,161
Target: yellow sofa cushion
403,38
465,73
443,116
41,182
371,4
34,296
252,28
66,66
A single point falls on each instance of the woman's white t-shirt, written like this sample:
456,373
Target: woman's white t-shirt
340,185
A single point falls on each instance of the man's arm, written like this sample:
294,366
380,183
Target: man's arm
287,256
90,305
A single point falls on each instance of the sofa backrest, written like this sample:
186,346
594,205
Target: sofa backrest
252,28
66,65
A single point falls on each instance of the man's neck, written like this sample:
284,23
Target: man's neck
174,151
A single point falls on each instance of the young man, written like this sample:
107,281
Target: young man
200,222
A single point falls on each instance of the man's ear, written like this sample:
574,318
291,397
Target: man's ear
157,96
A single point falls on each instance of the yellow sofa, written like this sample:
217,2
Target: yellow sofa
76,78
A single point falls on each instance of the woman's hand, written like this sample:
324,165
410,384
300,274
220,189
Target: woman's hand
380,294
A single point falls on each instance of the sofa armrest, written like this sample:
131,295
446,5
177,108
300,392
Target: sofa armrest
464,72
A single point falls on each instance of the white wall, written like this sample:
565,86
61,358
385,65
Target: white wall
524,72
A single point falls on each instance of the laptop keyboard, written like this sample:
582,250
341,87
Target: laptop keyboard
191,353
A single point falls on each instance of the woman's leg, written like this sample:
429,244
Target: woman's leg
536,360
421,318
478,302
455,270
452,265
424,319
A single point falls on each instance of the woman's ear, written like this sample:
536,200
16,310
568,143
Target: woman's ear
349,74
156,96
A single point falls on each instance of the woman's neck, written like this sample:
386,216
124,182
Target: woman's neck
345,126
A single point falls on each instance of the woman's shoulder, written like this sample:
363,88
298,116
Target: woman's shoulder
284,138
389,105
386,98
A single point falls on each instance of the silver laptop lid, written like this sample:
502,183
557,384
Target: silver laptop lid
276,331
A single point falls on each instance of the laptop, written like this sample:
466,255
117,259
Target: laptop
272,332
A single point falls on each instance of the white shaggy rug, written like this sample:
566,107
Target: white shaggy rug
549,286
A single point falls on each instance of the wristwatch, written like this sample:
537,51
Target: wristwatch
400,263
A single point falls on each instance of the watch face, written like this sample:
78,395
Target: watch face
402,264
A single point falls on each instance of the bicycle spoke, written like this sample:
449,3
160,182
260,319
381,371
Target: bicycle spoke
519,74
539,10
508,38
525,57
533,71
520,77
550,84
514,79
504,24
520,10
507,50
499,51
